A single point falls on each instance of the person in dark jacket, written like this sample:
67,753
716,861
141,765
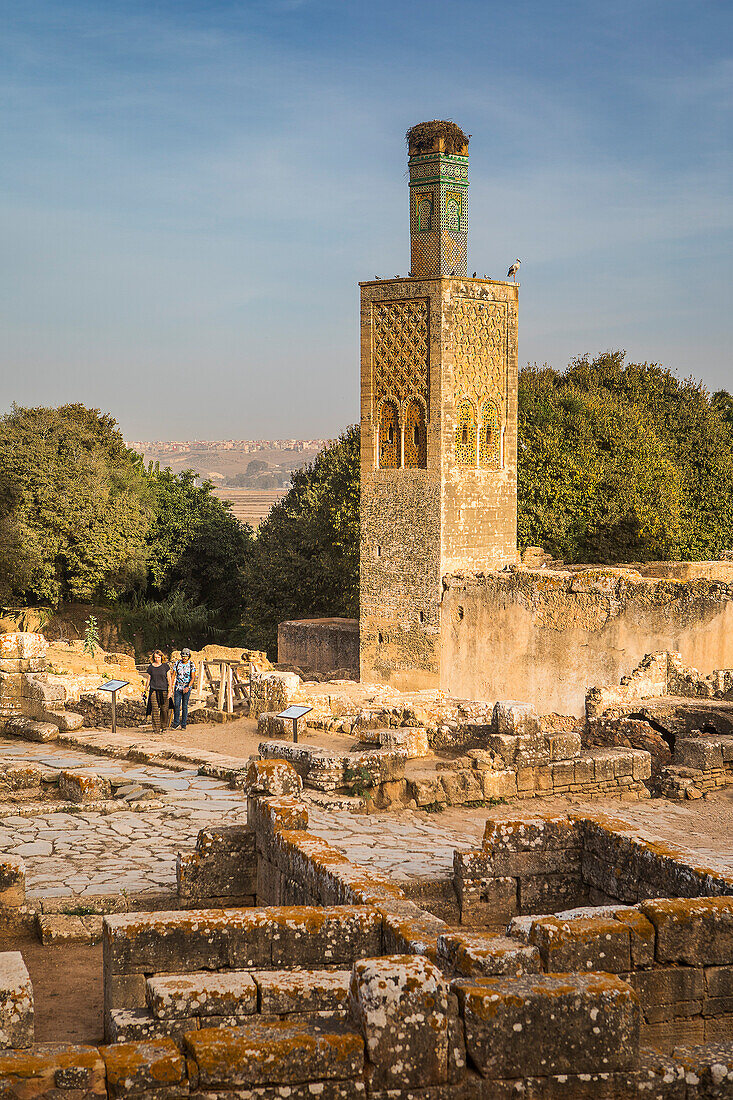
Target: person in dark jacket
160,689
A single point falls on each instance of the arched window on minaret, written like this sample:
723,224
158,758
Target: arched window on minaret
389,436
490,438
453,214
466,435
424,212
416,449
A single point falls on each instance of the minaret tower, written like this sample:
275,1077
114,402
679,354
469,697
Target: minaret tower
438,422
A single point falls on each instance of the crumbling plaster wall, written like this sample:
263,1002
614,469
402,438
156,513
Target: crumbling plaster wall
548,635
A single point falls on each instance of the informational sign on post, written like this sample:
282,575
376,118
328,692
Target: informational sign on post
295,713
113,686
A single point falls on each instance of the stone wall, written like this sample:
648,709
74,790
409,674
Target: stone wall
542,864
319,645
549,635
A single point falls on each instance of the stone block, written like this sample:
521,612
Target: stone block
668,985
461,787
584,770
223,864
286,992
695,931
718,990
59,928
531,834
498,784
12,881
227,993
66,721
84,787
514,718
543,893
563,773
412,740
22,645
563,746
475,954
281,1052
30,730
400,1004
144,1067
136,943
50,1067
702,753
540,861
491,900
547,1024
409,930
642,936
641,764
272,777
532,751
16,1002
503,746
330,936
137,1025
585,943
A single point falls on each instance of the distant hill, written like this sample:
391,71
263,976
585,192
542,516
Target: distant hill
261,464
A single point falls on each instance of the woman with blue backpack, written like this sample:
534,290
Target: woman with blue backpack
184,674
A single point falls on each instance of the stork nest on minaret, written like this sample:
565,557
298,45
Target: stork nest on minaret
424,137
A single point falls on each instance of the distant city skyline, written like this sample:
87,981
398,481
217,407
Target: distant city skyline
190,192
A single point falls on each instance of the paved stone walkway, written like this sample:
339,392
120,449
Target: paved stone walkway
411,846
85,853
88,853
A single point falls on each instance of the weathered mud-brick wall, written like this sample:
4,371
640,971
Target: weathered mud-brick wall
549,635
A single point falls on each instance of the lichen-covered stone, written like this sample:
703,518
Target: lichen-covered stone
84,787
400,1003
470,954
548,1023
696,931
145,1066
26,1074
283,1052
585,943
285,992
272,777
16,1002
12,881
226,993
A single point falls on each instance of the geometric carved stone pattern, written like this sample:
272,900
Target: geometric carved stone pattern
400,350
480,350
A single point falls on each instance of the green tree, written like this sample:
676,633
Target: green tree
196,545
74,506
305,559
623,462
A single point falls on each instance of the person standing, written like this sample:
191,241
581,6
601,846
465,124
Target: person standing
159,677
184,674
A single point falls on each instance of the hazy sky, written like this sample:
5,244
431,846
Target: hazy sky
190,192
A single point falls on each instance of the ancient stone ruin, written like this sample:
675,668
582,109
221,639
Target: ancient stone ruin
490,862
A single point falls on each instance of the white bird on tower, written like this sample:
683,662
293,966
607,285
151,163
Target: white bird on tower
512,272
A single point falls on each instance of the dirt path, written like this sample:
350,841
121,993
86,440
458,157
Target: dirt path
67,990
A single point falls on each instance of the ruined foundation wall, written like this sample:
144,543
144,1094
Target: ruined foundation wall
319,645
548,635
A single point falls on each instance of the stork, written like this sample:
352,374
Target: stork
512,272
